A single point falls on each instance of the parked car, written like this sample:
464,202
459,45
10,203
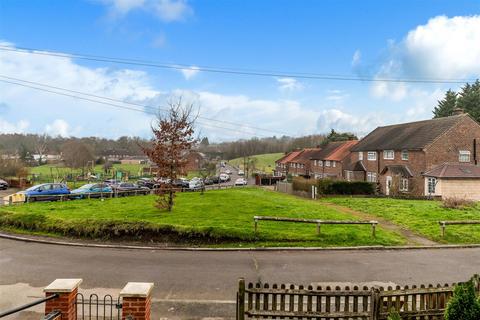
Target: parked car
195,184
3,185
181,183
241,182
46,192
111,182
224,177
208,181
149,183
92,190
215,179
129,188
241,172
228,171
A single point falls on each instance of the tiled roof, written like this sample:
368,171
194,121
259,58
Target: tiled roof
305,155
402,170
412,135
356,166
454,170
288,157
335,151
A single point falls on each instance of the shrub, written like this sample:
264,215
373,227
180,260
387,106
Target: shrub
457,203
464,304
331,187
393,315
302,184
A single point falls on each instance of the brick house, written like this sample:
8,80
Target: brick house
300,164
195,161
281,165
332,161
396,156
454,180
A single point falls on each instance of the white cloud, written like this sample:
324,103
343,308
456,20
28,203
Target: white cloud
190,72
395,91
289,84
165,10
357,55
8,127
59,127
342,121
159,41
444,48
336,95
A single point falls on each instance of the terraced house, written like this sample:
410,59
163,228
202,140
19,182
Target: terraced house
333,161
295,163
397,156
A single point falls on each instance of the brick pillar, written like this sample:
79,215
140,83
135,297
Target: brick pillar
67,290
136,301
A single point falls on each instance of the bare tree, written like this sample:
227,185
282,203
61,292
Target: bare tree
173,139
76,154
40,146
208,169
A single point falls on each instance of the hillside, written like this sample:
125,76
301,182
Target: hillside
264,162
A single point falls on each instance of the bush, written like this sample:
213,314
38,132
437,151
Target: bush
331,187
302,184
464,304
457,203
393,315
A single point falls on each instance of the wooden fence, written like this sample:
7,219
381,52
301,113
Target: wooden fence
264,301
443,224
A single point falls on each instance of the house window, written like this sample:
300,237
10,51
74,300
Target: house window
405,155
464,156
371,177
404,184
388,155
432,182
327,163
360,156
333,164
372,155
314,162
320,163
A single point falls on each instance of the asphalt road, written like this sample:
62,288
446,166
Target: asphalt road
193,285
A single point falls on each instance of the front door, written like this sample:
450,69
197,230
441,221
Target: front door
388,185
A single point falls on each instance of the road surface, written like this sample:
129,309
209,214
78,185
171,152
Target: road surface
193,285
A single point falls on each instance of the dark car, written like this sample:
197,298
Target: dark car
208,181
181,183
129,189
148,183
215,179
3,185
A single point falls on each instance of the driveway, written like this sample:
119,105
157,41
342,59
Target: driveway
194,285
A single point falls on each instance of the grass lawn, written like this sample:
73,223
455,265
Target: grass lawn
48,170
421,216
265,162
220,216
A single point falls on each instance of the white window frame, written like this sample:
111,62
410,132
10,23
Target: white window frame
464,156
431,185
405,155
403,184
334,164
327,163
315,162
371,177
388,155
372,156
320,163
348,175
360,155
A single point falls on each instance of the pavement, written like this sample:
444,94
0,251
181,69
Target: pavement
201,285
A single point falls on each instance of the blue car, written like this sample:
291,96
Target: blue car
92,190
46,192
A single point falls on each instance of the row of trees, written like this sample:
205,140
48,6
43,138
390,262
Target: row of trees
466,99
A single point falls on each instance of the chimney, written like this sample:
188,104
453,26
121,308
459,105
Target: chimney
458,111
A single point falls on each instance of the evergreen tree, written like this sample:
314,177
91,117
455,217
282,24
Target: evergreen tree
469,99
446,105
464,304
339,136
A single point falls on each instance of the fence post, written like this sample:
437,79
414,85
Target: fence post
10,200
375,304
241,299
66,302
442,226
318,228
136,300
256,225
374,226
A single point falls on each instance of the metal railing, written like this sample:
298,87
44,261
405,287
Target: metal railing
95,308
28,305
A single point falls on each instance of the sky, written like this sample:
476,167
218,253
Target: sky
375,40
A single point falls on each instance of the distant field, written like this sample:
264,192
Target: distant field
48,172
215,218
265,162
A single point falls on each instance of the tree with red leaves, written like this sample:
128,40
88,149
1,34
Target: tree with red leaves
173,139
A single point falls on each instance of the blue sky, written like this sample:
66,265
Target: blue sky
375,39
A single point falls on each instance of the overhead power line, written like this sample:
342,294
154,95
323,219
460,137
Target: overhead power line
117,105
156,109
232,71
